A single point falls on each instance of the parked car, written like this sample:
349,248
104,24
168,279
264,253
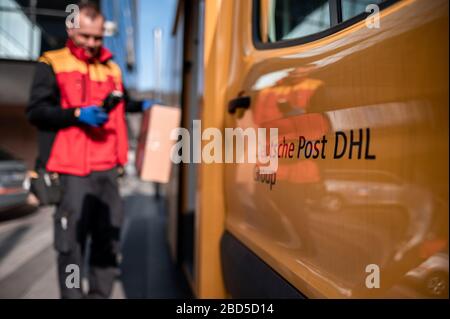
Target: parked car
13,192
346,187
432,275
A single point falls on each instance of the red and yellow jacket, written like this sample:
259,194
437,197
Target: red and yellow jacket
64,80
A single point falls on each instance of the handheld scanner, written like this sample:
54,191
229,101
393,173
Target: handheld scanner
111,101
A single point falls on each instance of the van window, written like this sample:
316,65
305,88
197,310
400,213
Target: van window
283,23
291,19
351,8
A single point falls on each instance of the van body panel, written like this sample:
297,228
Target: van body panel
330,216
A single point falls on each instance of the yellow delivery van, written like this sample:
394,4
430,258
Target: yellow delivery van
358,93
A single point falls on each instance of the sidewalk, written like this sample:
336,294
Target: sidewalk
28,260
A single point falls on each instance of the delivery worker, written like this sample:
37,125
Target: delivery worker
86,146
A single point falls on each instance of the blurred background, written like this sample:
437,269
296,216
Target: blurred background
140,35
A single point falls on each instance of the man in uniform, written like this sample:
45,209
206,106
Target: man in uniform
86,147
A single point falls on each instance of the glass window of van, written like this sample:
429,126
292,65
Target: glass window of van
291,19
351,8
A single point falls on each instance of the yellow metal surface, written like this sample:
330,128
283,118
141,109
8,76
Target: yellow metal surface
210,192
327,220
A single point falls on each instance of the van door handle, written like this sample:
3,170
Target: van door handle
242,102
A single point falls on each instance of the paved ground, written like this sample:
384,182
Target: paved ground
27,258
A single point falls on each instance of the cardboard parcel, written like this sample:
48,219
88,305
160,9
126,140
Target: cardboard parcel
153,161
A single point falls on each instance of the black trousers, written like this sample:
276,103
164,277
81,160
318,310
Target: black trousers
90,207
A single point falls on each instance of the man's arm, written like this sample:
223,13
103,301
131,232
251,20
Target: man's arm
44,110
134,106
131,106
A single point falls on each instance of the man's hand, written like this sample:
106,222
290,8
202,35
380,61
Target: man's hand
91,115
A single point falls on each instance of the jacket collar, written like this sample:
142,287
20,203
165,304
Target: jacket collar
103,56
